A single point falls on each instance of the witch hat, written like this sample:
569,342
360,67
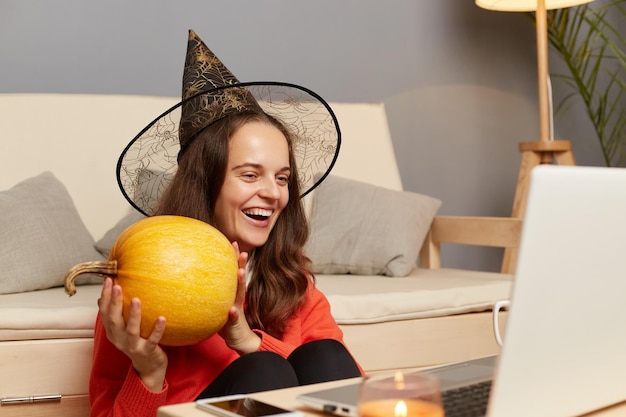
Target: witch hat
210,92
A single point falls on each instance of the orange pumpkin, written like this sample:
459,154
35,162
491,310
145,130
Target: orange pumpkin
180,268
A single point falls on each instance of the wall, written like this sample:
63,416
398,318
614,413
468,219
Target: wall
459,82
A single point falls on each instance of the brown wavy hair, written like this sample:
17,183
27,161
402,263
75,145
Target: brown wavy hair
280,269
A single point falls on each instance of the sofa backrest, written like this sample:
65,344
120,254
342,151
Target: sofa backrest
79,137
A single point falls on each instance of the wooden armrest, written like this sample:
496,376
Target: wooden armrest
503,232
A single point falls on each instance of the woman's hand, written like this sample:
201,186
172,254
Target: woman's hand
236,332
149,360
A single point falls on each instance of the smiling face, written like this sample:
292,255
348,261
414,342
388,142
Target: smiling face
256,185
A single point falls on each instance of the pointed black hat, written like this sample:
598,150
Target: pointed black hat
211,92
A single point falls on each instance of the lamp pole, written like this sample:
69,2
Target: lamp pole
541,17
545,150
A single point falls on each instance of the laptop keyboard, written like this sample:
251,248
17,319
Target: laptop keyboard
469,401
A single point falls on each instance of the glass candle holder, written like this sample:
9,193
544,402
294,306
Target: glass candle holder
404,395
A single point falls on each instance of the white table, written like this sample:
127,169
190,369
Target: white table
286,398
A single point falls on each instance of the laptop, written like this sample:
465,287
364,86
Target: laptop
564,351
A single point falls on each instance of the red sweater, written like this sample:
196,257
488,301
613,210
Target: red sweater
116,390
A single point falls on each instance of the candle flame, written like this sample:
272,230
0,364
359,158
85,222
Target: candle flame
398,379
400,409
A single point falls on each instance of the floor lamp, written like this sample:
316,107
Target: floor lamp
546,149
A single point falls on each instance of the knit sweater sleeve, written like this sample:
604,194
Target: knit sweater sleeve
115,389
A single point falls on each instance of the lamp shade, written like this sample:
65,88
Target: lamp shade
526,5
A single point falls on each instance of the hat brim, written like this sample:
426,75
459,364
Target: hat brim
149,162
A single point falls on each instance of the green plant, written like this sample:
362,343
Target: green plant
590,40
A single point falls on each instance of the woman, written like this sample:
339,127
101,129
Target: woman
240,174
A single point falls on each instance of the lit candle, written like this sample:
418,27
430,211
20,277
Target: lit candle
400,408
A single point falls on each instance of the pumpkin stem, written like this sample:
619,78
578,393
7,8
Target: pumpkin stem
100,268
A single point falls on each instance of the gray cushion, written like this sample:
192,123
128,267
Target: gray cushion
358,228
107,241
42,235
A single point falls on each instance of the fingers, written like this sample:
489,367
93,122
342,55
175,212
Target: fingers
157,331
241,288
105,295
242,257
242,260
236,247
125,335
242,274
110,304
116,301
233,315
133,324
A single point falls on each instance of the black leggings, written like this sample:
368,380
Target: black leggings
318,361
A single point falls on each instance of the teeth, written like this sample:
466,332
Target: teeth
258,212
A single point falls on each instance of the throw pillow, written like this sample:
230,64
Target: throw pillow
107,241
358,228
42,234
